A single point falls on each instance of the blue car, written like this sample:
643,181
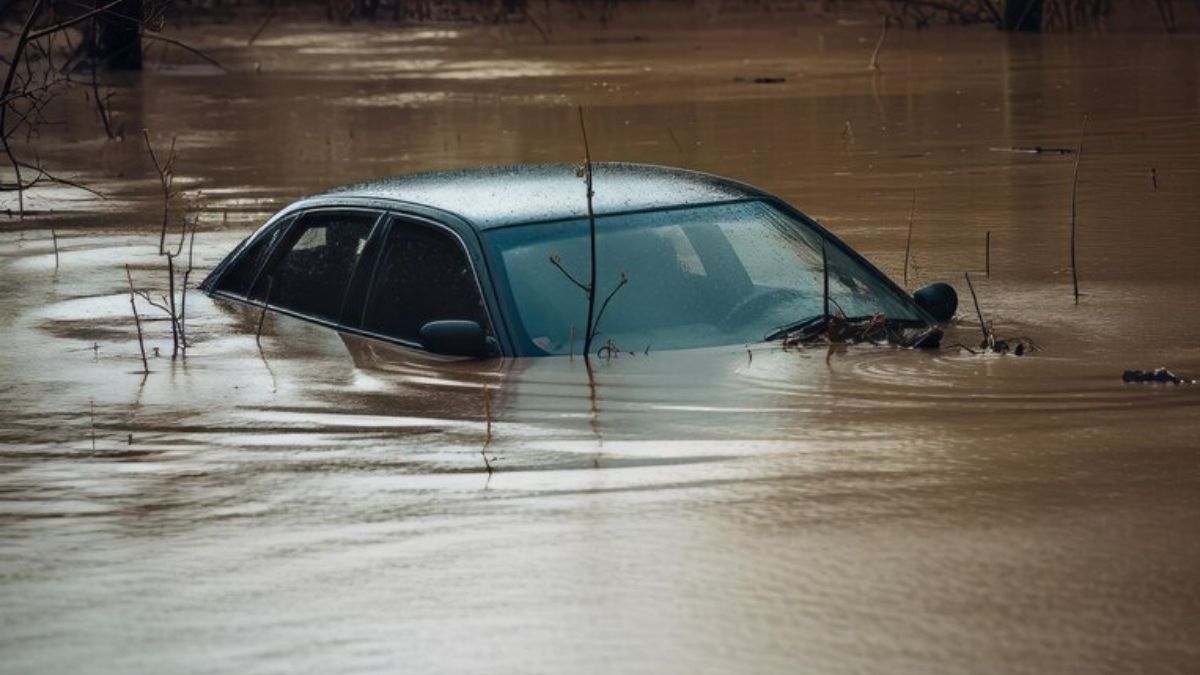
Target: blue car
495,262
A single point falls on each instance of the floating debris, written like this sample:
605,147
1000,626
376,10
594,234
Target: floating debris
1036,150
1157,376
761,80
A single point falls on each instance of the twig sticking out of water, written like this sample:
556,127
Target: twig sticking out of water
261,27
671,133
185,47
487,438
54,236
591,287
166,176
137,321
262,315
825,278
1074,209
624,279
183,293
908,242
1154,179
873,66
545,35
487,411
988,340
92,421
987,254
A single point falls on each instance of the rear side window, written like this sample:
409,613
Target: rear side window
424,275
239,280
317,262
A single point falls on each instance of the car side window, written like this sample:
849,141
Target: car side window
239,279
423,275
319,257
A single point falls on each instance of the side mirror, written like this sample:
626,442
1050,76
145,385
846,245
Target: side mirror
455,337
939,300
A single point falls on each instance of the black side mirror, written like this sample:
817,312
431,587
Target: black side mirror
455,337
939,300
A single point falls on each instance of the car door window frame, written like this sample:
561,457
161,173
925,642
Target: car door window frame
283,244
400,219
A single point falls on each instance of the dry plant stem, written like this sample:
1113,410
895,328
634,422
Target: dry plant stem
874,65
137,321
54,236
92,422
487,410
589,331
187,273
604,305
538,27
263,314
261,27
171,305
22,41
96,91
987,334
186,47
987,254
674,140
487,440
165,171
825,277
1074,208
908,242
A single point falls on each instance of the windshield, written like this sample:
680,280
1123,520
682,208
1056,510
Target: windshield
711,275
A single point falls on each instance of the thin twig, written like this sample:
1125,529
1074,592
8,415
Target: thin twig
137,321
603,306
825,277
183,293
263,314
908,242
96,91
8,83
72,21
261,28
556,260
874,64
987,254
54,236
487,440
671,133
166,177
1074,209
185,47
591,288
987,334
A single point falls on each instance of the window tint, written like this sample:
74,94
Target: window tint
240,276
424,275
322,251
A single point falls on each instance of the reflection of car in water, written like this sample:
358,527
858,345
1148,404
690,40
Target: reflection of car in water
490,262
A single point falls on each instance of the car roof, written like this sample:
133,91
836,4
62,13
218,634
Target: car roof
495,196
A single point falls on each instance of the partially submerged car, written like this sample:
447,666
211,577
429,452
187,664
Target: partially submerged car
495,262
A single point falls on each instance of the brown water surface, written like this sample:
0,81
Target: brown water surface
322,505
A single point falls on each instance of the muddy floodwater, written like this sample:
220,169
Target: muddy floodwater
322,504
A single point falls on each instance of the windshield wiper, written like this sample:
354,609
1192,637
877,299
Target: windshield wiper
788,329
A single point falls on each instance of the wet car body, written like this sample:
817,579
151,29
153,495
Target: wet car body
686,260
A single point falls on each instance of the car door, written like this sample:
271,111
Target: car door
423,274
